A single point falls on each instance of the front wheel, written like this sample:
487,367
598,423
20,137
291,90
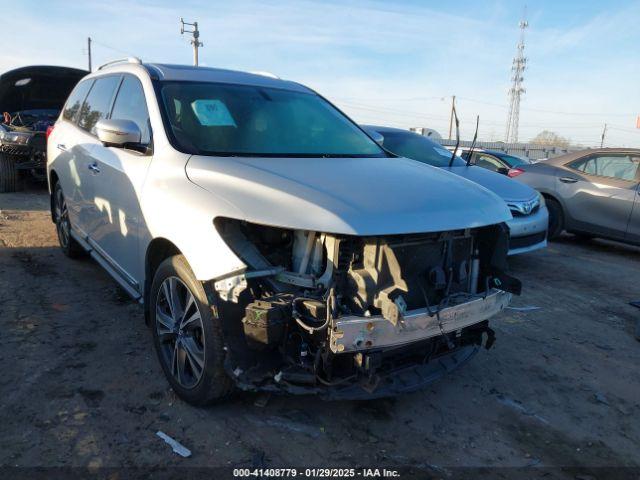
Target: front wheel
187,337
556,218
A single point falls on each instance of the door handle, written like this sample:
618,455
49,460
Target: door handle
94,167
568,179
62,146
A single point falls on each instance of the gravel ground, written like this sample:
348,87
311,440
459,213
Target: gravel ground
81,385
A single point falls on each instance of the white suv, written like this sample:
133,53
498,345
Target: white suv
275,246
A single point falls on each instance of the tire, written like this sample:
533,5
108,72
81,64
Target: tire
8,174
69,246
556,219
187,337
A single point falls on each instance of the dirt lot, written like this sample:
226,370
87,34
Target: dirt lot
81,385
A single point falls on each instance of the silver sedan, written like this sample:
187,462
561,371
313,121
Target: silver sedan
527,228
592,193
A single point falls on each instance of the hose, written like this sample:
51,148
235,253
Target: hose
330,307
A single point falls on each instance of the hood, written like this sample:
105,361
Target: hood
351,196
503,186
37,87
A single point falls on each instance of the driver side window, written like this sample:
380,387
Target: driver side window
130,104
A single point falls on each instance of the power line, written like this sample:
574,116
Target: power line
529,109
93,40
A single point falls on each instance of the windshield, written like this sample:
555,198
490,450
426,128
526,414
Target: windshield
417,147
243,120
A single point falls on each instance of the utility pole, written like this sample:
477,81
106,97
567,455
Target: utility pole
89,51
453,106
604,132
518,66
195,38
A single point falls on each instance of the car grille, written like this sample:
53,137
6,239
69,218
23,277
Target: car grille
517,213
15,149
527,240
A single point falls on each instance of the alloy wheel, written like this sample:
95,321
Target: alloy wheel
62,218
180,332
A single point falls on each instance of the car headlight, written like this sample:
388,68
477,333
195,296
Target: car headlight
541,198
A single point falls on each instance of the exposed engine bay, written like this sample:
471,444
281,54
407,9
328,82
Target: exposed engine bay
23,136
352,317
31,99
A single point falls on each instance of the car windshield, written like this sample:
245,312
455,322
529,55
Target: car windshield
417,147
243,120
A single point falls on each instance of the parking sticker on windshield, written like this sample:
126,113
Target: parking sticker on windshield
212,113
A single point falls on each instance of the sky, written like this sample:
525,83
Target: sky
395,63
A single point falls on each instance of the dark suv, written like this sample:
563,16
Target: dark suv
30,101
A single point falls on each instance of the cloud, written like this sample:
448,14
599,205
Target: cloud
382,62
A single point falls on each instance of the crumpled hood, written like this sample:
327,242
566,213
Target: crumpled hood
503,186
352,196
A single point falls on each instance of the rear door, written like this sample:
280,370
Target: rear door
68,147
599,192
122,172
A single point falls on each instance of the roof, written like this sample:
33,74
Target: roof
567,157
381,129
189,73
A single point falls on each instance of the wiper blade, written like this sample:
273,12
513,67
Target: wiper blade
473,144
455,150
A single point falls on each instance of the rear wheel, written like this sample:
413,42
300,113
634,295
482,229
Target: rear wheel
69,246
187,337
8,174
556,218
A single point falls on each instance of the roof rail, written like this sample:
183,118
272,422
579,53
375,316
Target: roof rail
265,74
135,60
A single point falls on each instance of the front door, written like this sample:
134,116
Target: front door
122,172
599,192
95,107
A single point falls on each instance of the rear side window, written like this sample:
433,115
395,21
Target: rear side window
488,161
97,104
74,102
130,104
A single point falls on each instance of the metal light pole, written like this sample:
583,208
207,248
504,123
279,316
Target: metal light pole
89,51
194,40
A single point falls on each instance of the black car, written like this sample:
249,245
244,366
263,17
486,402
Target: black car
30,101
494,160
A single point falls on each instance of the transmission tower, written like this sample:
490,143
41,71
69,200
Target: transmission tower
516,90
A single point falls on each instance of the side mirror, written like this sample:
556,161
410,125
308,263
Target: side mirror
118,133
377,137
503,170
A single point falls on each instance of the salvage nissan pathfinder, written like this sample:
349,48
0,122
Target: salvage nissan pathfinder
274,245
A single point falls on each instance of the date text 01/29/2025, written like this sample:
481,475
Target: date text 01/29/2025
316,472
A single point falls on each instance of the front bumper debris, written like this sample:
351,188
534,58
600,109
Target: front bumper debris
356,334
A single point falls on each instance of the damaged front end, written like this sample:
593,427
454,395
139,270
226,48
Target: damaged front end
357,317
